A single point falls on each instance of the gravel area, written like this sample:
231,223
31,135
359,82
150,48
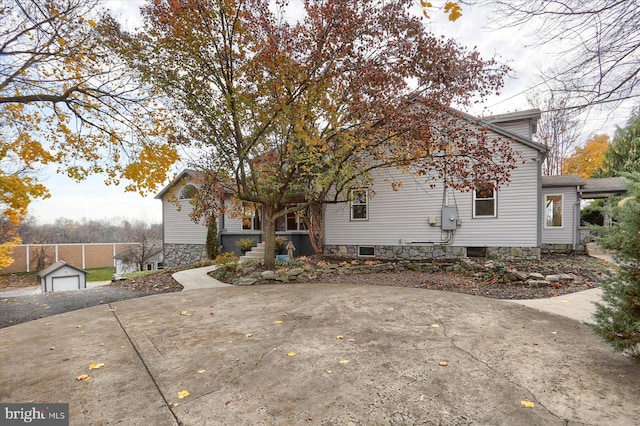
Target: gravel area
16,310
19,309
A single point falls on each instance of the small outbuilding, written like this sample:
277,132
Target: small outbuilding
62,276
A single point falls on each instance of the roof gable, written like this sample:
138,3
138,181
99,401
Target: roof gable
184,173
59,264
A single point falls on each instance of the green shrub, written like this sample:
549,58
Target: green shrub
245,244
617,318
227,260
281,243
213,241
289,263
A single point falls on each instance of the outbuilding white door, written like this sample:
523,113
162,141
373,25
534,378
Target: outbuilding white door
65,283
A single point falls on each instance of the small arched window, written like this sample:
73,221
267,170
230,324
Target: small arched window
188,192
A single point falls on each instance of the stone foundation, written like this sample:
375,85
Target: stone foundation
183,254
430,252
563,248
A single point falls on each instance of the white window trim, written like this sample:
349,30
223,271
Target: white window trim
351,205
544,218
495,205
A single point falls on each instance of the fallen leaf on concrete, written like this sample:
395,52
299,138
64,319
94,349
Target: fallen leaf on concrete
291,354
183,394
344,361
351,340
82,377
52,348
435,325
528,404
78,326
184,313
329,371
201,371
249,335
277,322
339,337
95,365
443,363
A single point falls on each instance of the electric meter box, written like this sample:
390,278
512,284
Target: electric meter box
449,218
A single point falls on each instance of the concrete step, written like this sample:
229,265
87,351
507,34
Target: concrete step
255,254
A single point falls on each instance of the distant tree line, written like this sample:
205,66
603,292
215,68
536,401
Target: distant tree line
64,230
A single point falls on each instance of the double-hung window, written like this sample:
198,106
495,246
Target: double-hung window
251,217
553,211
484,202
295,221
359,204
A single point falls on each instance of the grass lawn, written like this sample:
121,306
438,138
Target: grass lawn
100,274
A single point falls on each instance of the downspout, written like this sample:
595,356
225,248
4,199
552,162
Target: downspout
539,201
576,218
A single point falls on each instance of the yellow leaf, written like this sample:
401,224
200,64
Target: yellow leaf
82,377
61,42
183,394
528,404
277,322
95,365
184,313
92,23
291,354
443,363
435,325
249,335
344,361
201,371
339,337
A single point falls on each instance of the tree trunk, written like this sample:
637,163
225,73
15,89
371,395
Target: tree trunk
269,229
313,221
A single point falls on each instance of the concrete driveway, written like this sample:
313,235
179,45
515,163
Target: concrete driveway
319,354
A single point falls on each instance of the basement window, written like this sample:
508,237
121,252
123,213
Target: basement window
476,252
366,251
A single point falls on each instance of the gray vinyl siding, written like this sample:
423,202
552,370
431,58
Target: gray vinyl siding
521,128
400,217
179,228
567,233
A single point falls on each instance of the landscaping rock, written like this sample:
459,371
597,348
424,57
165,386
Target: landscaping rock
537,283
294,272
535,276
243,281
552,278
567,277
267,275
518,276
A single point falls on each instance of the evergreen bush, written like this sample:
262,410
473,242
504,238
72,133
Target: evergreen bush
617,318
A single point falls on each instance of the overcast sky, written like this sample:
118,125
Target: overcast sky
91,199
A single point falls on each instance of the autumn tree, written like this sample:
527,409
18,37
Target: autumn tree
598,57
623,154
289,110
558,129
66,100
586,160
